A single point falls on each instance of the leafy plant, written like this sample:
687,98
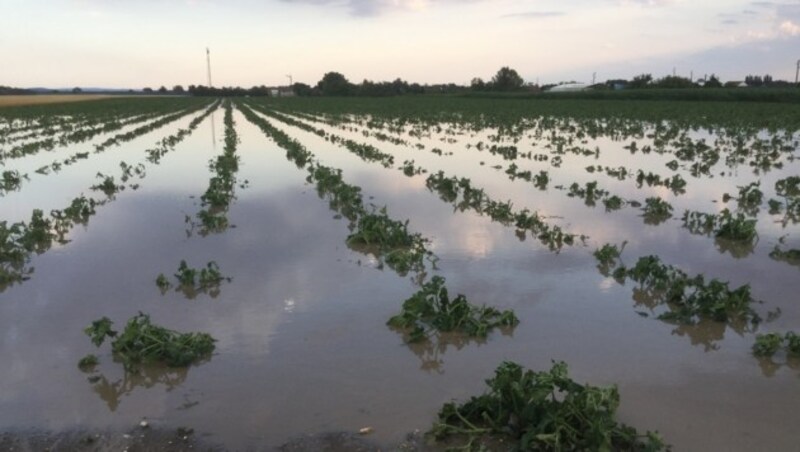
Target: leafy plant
197,279
656,210
544,411
108,185
163,283
608,253
432,309
142,343
88,362
767,344
689,299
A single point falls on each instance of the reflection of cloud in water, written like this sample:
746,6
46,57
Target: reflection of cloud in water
606,284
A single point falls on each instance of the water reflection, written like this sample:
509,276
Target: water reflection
431,351
112,391
738,249
770,366
213,132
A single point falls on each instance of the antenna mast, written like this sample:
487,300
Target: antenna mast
208,63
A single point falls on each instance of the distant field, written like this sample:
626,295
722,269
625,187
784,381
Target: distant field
34,99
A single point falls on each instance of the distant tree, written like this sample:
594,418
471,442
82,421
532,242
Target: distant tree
258,91
754,80
767,80
477,84
506,79
178,89
334,84
76,90
162,90
713,82
148,90
674,81
301,89
641,81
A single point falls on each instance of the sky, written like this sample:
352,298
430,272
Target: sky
150,43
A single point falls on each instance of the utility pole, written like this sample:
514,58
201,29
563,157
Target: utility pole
594,77
797,72
208,63
291,82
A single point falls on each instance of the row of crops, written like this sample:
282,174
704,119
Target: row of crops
605,180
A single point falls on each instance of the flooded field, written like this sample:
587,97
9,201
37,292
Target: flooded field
648,245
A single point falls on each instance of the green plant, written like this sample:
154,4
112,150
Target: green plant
750,197
142,343
197,279
689,299
543,411
656,210
613,202
767,344
788,187
162,282
432,309
108,186
792,343
87,362
608,253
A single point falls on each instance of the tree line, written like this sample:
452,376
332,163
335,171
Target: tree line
506,80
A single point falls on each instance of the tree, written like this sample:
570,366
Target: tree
178,89
76,90
713,82
301,89
507,79
753,80
641,81
162,90
334,84
477,84
148,90
674,81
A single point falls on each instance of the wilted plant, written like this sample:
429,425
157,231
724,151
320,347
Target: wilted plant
142,343
432,309
543,411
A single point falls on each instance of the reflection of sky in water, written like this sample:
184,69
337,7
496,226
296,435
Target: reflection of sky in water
303,345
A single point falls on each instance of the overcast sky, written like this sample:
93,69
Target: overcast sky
138,43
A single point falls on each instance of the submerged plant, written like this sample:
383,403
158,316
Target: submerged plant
197,279
87,362
767,344
656,210
432,309
608,253
724,225
543,411
142,343
108,185
689,299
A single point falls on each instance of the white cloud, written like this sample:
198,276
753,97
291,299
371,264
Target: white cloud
789,28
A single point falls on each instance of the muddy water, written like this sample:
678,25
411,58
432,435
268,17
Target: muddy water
302,343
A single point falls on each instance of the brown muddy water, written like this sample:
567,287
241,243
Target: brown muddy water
302,343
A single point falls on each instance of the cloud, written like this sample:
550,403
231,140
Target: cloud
375,7
648,2
535,14
789,28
